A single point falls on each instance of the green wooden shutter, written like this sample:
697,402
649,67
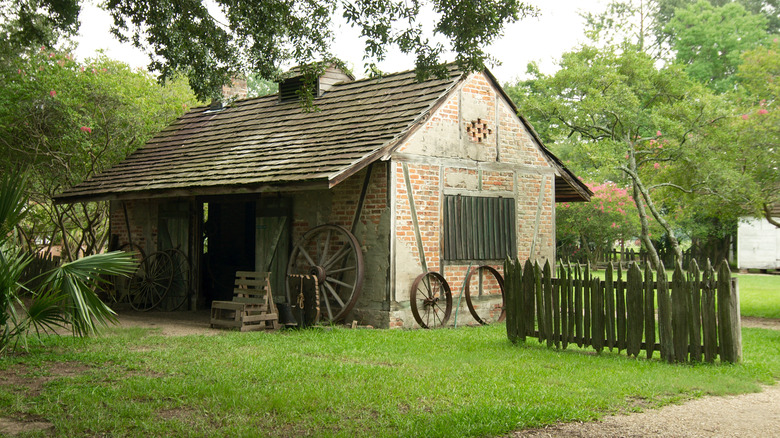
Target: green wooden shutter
478,228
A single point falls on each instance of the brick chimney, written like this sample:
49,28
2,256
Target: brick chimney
238,89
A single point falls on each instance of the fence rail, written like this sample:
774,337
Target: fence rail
694,316
614,255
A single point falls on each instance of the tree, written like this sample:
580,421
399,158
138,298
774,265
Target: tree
609,217
64,121
709,41
626,115
64,298
259,36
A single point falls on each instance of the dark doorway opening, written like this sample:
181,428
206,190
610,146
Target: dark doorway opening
228,246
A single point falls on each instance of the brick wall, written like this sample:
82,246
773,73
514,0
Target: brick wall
142,216
472,145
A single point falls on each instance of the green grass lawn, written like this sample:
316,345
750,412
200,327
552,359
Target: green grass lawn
759,295
426,383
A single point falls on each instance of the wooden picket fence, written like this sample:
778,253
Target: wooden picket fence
694,316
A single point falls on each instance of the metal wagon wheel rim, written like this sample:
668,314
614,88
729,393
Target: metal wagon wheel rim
333,255
151,281
121,283
469,301
429,291
179,290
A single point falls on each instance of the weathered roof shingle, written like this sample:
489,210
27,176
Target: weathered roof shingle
258,142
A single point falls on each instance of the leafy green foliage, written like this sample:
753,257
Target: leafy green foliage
65,121
65,298
709,41
629,119
210,42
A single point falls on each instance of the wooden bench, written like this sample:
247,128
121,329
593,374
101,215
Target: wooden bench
252,307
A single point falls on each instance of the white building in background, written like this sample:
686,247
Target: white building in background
758,243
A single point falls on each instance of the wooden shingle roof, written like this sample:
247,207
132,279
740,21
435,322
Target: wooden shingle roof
260,142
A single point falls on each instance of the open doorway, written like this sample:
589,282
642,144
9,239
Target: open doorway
228,246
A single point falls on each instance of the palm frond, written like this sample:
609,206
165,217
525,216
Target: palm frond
75,284
12,203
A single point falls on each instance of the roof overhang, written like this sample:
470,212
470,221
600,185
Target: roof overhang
217,190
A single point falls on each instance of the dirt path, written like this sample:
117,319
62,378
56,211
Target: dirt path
746,415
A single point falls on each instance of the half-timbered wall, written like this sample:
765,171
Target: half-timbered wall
471,145
338,206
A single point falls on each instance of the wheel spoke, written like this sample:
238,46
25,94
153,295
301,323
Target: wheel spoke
325,246
338,271
339,282
324,297
307,256
341,253
435,313
335,295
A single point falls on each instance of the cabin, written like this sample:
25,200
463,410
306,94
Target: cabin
384,180
758,243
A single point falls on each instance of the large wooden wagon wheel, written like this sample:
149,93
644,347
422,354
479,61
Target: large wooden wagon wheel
120,292
431,300
332,254
179,290
470,300
151,281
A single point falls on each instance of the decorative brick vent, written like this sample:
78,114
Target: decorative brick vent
478,130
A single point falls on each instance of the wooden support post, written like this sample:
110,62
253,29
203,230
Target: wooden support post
413,211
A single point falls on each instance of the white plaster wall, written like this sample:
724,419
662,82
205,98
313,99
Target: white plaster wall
758,244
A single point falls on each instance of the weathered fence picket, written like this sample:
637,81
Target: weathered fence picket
577,307
620,302
649,312
695,307
609,296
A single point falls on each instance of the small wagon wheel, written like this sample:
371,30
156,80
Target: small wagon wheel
121,283
151,281
431,300
499,279
333,255
179,291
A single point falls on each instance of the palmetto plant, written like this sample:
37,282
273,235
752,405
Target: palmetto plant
63,297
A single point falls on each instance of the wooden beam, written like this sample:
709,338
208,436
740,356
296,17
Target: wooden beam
416,224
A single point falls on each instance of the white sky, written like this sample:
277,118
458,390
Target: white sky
543,39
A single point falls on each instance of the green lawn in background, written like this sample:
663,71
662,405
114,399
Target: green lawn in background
427,383
759,295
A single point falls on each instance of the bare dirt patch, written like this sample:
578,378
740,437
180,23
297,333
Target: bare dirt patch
170,323
755,322
32,381
10,427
